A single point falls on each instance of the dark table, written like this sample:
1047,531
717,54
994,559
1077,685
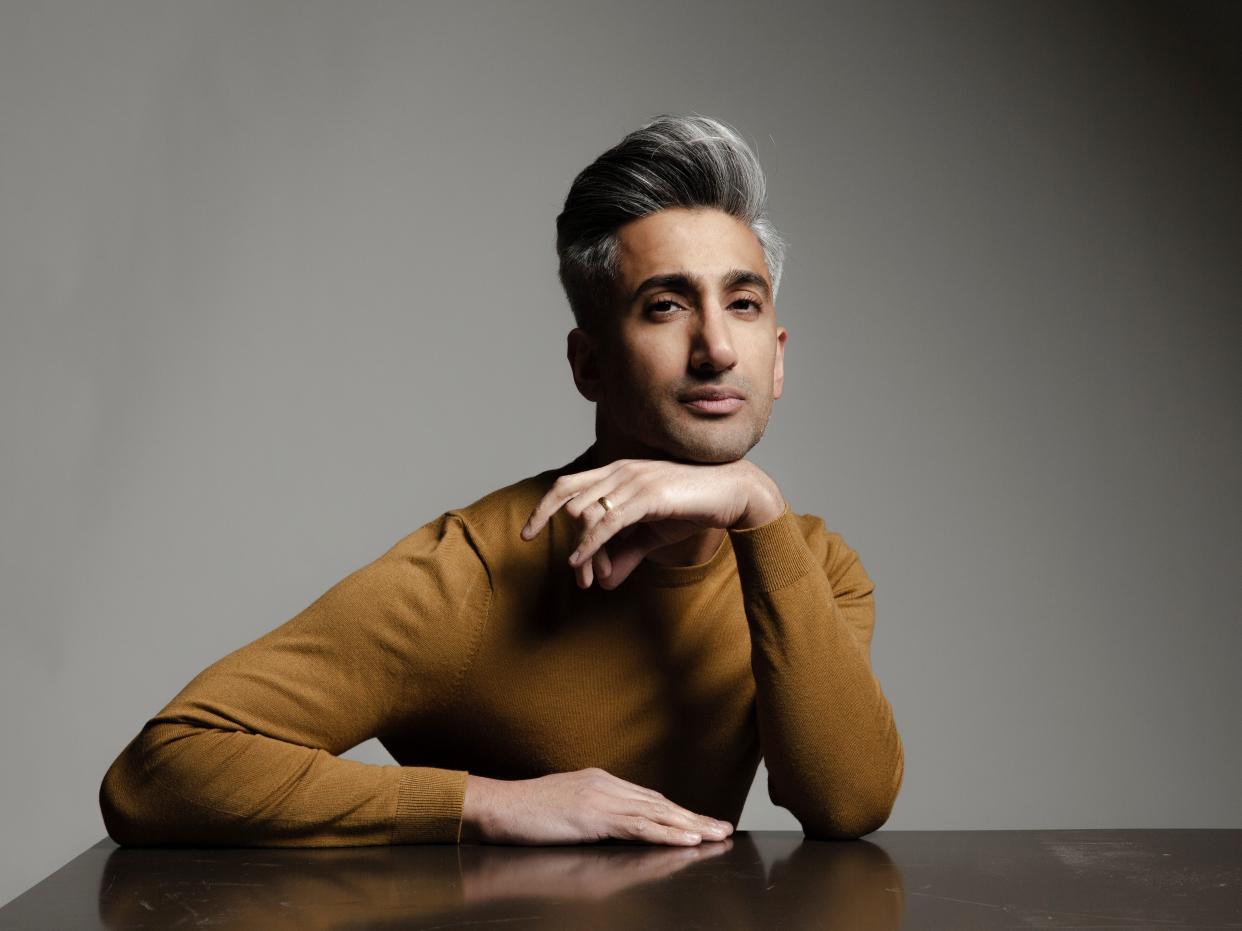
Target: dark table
755,879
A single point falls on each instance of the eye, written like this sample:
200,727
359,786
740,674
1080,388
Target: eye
754,305
663,307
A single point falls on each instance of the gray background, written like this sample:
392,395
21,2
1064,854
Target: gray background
278,287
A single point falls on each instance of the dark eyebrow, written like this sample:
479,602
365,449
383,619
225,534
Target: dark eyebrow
686,283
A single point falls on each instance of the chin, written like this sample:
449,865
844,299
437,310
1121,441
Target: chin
711,451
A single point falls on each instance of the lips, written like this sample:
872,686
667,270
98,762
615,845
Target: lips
714,400
711,394
717,405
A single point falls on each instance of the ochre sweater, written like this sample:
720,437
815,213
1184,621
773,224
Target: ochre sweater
466,649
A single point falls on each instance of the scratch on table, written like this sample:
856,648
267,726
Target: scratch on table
1095,853
174,897
949,898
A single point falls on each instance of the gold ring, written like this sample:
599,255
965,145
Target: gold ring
606,503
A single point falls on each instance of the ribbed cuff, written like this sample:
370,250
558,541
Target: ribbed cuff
429,805
772,555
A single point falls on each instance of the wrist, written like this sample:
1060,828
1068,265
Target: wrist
764,504
478,807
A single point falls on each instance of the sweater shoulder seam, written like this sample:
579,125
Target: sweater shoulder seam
476,637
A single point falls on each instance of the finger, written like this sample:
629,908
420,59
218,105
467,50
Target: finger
565,488
624,555
655,805
637,827
668,812
572,499
585,574
588,513
630,510
587,502
652,806
548,505
603,565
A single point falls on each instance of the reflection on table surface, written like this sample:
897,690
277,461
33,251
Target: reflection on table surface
759,879
730,884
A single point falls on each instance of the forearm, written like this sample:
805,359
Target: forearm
177,783
830,744
248,752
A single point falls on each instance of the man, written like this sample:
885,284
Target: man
603,650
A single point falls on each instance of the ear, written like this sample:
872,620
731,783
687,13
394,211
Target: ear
583,352
778,370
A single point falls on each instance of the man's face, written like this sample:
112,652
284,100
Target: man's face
694,312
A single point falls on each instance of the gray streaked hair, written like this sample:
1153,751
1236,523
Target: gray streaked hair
671,161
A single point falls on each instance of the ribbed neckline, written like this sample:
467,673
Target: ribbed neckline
652,573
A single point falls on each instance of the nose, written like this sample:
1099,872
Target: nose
712,344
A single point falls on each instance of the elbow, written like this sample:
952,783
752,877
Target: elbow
838,828
135,810
847,823
121,802
846,817
855,817
863,809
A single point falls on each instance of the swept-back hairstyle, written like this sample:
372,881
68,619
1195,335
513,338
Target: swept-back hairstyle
672,161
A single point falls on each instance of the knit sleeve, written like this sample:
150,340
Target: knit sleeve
830,745
247,753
